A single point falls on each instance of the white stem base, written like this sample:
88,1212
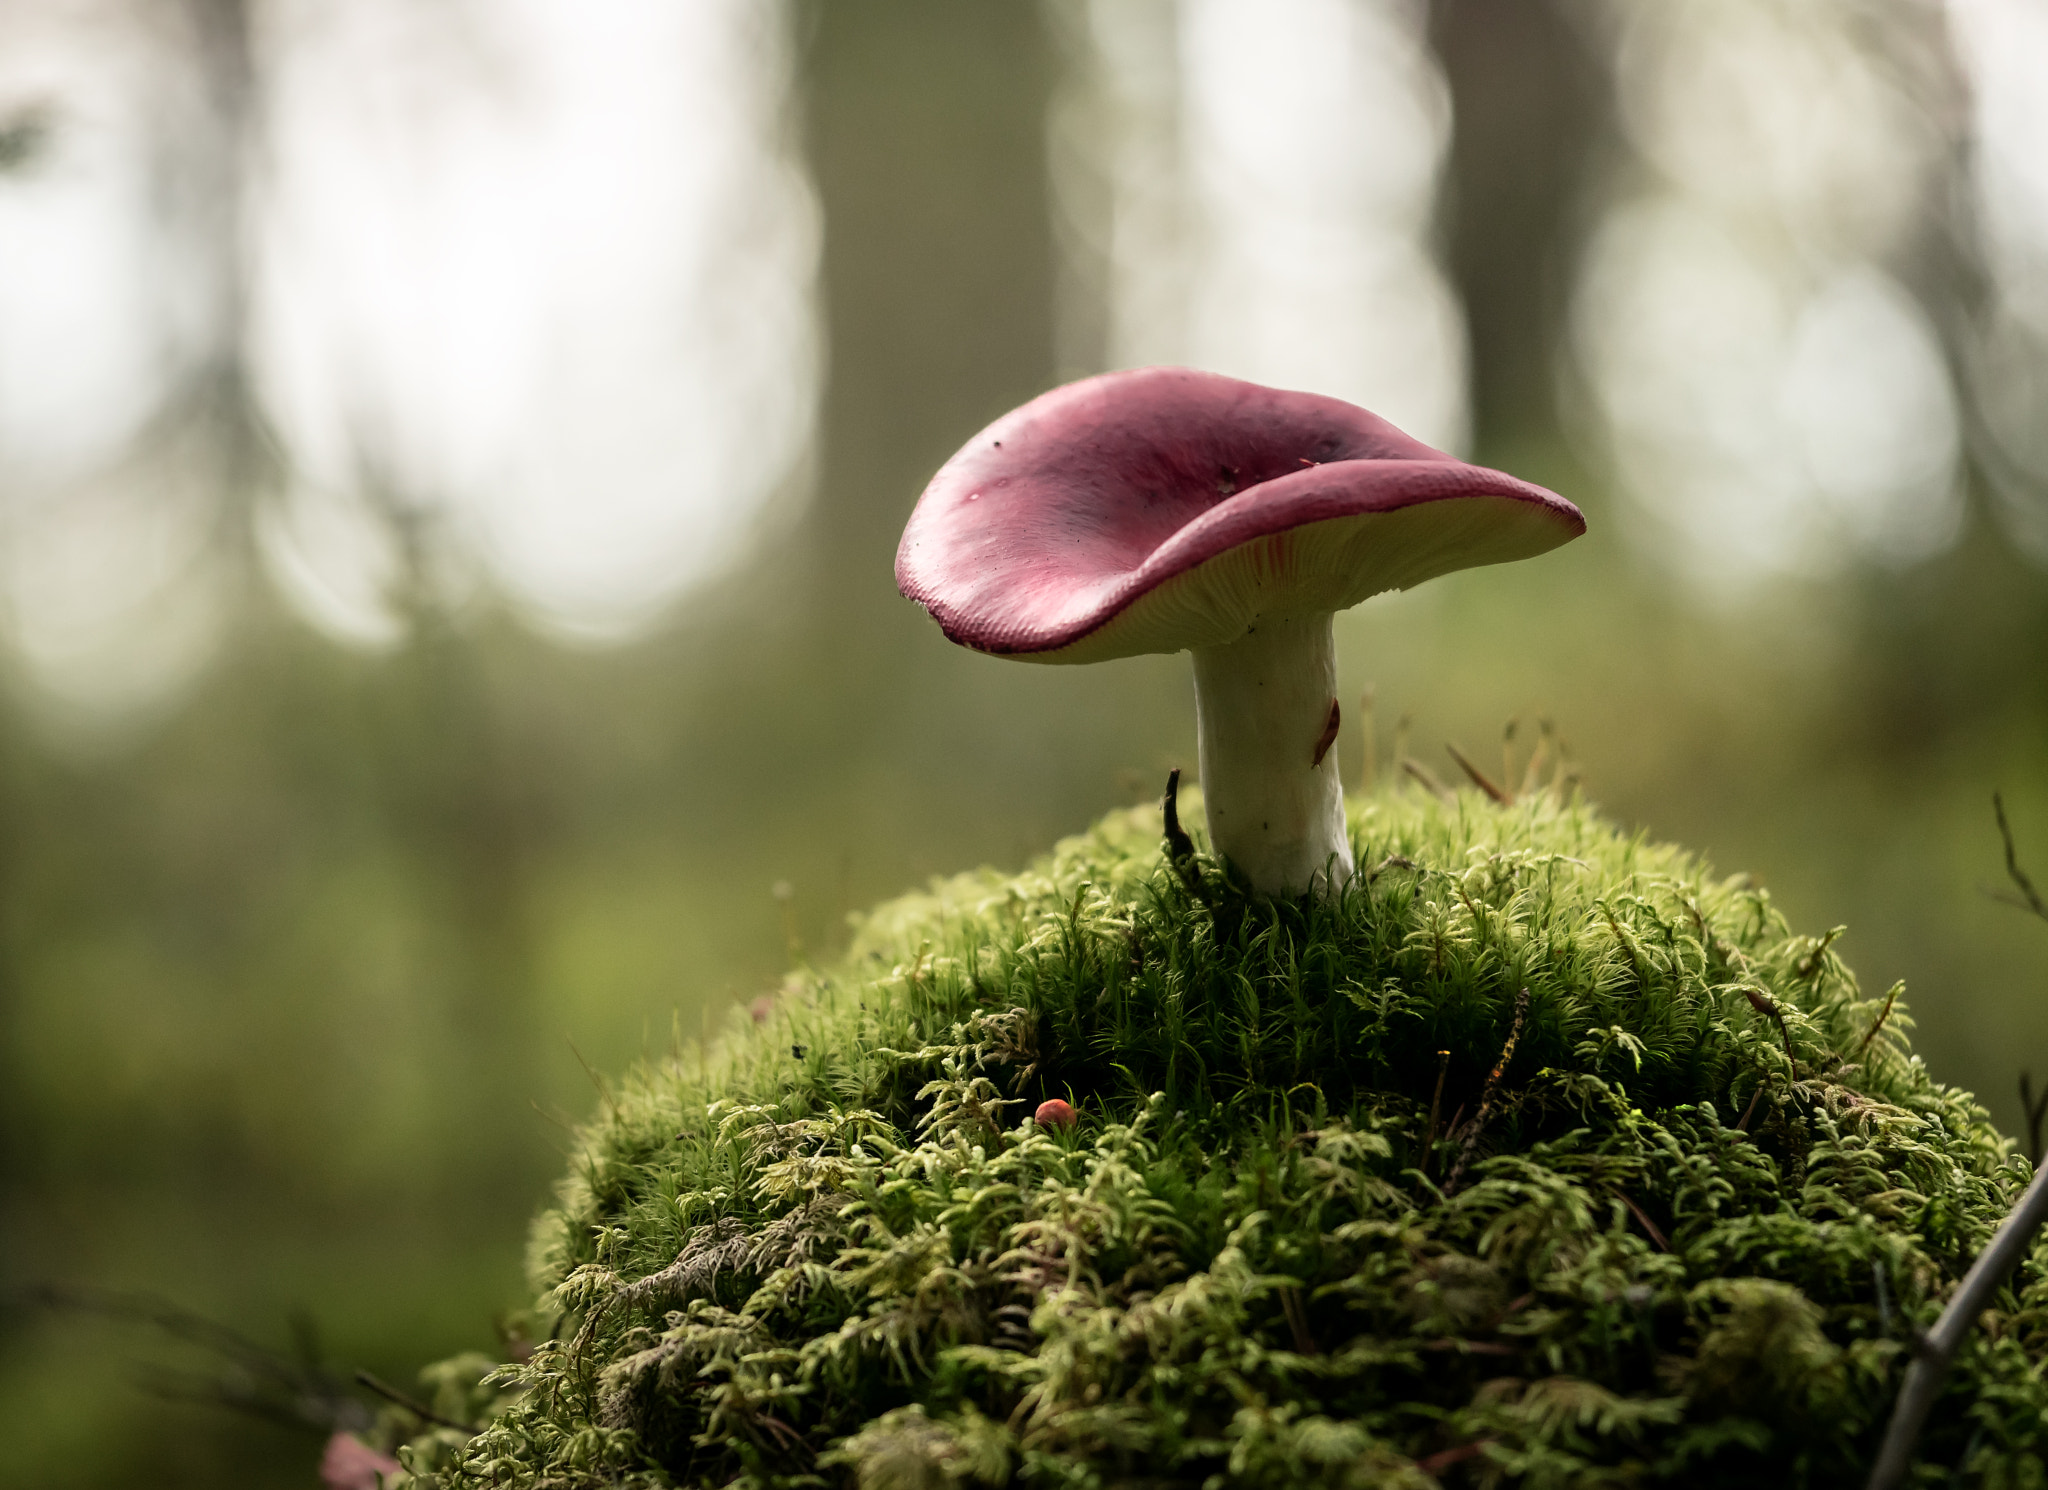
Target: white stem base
1262,705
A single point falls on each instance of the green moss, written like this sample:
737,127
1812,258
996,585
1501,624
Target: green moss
1682,1238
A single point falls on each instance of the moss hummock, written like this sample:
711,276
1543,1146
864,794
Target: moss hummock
1311,1228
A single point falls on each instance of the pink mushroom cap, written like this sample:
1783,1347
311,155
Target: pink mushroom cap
1165,509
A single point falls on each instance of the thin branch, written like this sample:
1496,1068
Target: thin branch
413,1405
250,1378
1486,1093
1297,1321
1180,849
1924,1376
2036,1110
1643,1220
1882,1015
1812,964
1479,777
1763,1080
1421,773
2017,875
1764,1004
1436,1103
1392,861
1437,1463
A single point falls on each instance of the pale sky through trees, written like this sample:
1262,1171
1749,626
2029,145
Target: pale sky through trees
538,279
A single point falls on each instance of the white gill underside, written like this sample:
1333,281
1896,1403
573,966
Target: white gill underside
1314,570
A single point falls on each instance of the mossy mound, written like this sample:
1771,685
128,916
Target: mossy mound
1681,1236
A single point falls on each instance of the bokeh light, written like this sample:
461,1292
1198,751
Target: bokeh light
1772,396
1251,188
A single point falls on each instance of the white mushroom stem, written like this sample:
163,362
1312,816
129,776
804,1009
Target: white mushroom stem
1263,706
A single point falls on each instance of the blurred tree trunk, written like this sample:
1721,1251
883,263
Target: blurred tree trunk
927,140
1530,103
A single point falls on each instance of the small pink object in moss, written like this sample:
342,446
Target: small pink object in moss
1054,1113
351,1464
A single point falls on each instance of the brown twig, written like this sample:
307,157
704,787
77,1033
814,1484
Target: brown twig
1923,1377
1486,1093
1421,773
1645,1222
1479,777
1438,1462
1763,1080
1180,849
1468,1347
2013,1240
2036,1109
2033,901
1811,965
1878,1023
1764,1004
1392,861
1436,1102
413,1405
296,1390
1297,1321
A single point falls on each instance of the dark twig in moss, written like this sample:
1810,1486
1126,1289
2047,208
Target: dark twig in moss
1813,961
1297,1321
2012,1242
1765,1005
1392,861
1882,1015
1650,1228
1180,848
1436,1464
1421,773
1448,1345
1487,1092
2036,1109
1436,1103
413,1405
1763,1080
1923,1377
1478,777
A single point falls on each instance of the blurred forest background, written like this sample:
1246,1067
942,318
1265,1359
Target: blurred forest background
451,456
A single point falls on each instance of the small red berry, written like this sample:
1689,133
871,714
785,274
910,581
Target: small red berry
1053,1113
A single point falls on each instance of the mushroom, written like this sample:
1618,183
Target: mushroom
1164,509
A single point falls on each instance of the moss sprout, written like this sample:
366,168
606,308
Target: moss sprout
1540,1156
